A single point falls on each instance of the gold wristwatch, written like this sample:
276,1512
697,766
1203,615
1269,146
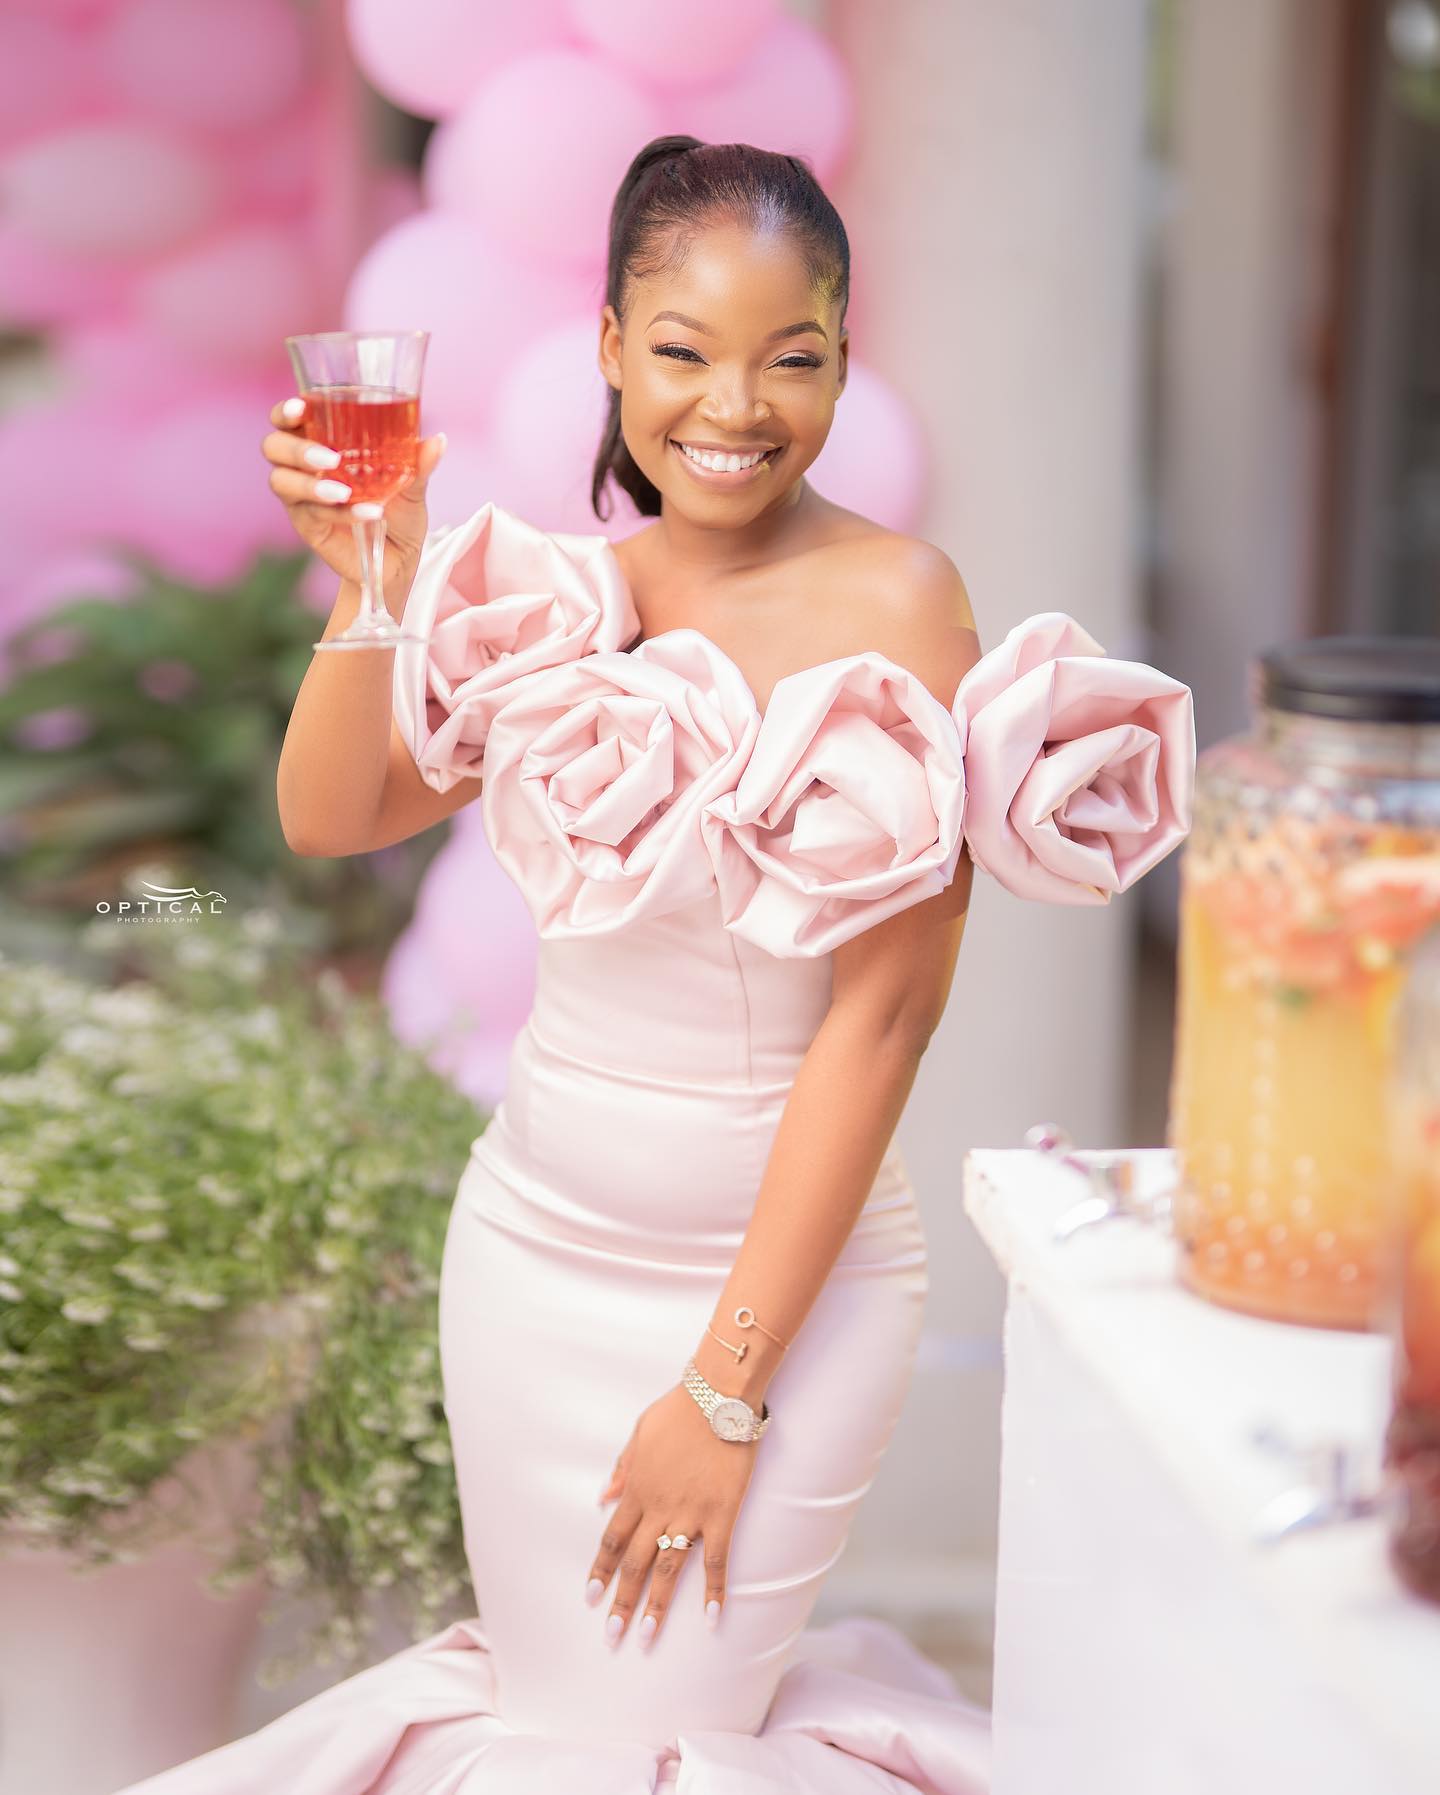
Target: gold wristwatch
731,1416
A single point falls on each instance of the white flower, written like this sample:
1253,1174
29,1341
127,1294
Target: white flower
86,1309
195,1297
149,1231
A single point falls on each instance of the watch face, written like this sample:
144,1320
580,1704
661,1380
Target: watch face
733,1419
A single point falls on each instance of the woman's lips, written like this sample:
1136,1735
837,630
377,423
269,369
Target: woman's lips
709,476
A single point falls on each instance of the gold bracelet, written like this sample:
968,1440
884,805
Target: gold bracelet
745,1318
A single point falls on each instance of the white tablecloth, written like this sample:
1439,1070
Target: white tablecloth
1145,1644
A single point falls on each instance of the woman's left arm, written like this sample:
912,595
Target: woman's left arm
890,984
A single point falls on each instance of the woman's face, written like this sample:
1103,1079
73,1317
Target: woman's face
731,356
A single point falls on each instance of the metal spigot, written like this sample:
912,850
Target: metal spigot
1333,1489
1110,1178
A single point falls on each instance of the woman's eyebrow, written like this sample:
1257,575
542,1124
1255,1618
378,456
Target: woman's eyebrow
785,330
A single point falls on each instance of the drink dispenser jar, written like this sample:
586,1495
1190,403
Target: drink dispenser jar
1412,1441
1311,873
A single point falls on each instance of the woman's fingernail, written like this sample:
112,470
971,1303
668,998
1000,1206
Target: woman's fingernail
614,1627
317,455
331,492
367,513
712,1615
647,1629
594,1589
442,440
293,410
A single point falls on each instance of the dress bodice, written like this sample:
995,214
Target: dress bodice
626,780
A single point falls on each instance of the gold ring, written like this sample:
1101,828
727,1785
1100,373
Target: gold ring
681,1541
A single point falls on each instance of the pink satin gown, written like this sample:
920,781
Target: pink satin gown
690,866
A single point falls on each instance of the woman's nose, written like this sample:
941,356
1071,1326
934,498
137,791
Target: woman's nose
734,406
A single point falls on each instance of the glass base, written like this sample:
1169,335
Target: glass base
378,635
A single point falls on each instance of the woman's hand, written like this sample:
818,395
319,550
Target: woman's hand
316,501
675,1475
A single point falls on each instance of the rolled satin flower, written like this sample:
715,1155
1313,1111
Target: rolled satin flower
849,808
1079,769
497,600
596,774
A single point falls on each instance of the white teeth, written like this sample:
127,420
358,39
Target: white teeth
720,463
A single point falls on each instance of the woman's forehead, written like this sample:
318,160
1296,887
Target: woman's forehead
731,278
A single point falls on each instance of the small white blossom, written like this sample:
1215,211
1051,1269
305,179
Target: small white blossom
86,1309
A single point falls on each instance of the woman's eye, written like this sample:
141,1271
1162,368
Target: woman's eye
680,352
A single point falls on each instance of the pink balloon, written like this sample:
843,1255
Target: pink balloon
538,153
874,459
47,77
446,274
198,499
674,43
277,172
41,287
470,475
40,445
232,298
124,363
211,65
430,56
793,94
111,190
87,10
460,981
549,413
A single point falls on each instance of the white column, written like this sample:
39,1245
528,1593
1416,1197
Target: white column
993,204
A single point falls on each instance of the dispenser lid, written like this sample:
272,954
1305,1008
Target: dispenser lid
1363,679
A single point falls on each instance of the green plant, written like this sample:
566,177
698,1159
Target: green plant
151,728
183,1157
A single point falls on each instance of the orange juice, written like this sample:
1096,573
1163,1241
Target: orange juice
1312,870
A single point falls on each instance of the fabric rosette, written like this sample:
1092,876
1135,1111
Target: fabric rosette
596,775
1079,769
849,808
497,600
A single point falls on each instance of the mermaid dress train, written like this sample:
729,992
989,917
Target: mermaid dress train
690,864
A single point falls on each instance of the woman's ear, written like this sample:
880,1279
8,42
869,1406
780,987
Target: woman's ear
609,356
842,361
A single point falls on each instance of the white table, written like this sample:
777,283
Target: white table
1145,1643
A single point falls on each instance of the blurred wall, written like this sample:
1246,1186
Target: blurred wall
994,205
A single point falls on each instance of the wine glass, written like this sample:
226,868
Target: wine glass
362,398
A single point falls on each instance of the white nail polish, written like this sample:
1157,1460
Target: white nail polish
293,410
614,1627
367,513
317,455
594,1589
331,492
442,440
712,1615
647,1629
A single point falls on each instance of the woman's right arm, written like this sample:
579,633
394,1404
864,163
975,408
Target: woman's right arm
346,782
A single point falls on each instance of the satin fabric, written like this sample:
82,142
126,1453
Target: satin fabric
690,864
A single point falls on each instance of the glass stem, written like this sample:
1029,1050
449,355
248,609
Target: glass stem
370,547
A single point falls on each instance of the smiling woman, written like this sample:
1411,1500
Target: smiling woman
685,1272
736,391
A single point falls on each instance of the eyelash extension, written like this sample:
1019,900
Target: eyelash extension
682,352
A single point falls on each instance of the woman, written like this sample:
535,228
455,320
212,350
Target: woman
684,1273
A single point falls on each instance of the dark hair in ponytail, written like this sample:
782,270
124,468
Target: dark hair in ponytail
676,187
